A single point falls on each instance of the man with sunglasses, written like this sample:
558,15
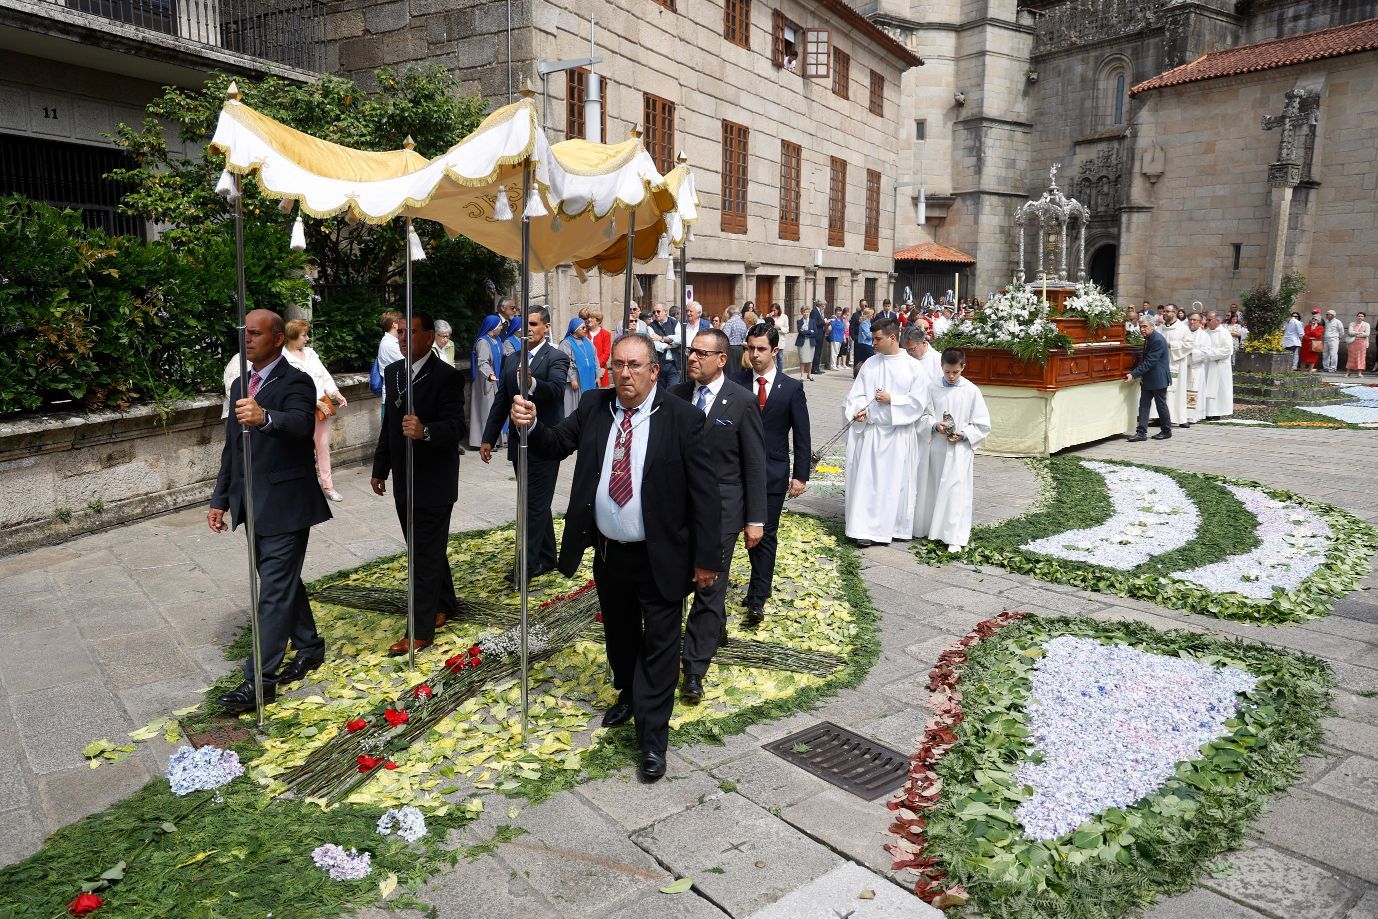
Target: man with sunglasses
736,442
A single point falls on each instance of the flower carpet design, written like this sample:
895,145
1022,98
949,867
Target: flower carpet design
438,745
1081,768
1188,541
1363,411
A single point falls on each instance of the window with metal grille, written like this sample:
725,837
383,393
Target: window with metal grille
791,186
830,291
877,104
784,42
659,137
69,176
734,177
870,287
736,22
842,73
837,202
872,242
576,96
791,296
645,287
818,50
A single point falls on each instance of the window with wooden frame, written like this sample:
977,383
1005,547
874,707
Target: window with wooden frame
872,241
791,187
658,120
576,96
668,4
877,103
837,201
818,53
736,22
734,177
784,42
842,73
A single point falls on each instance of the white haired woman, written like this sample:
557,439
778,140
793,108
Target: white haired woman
444,346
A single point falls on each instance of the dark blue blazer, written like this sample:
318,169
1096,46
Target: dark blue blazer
1154,370
787,410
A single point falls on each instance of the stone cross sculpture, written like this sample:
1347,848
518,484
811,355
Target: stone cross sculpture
1302,107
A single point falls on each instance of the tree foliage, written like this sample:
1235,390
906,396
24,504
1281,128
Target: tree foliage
1266,310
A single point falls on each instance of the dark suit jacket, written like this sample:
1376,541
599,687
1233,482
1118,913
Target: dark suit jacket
550,371
286,496
1154,370
736,444
820,325
438,402
679,493
786,410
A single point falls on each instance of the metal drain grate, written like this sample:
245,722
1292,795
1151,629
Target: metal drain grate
849,761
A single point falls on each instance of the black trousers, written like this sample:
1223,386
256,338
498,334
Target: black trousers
1146,398
734,358
641,633
284,613
706,627
435,585
540,525
763,555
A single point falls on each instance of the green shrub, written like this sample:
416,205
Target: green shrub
1266,310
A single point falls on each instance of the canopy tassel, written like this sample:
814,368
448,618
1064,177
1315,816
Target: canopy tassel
670,270
298,235
611,230
691,232
673,226
286,205
418,252
664,250
225,187
535,207
556,224
502,209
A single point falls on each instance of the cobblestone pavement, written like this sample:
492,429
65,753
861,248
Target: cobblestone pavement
130,623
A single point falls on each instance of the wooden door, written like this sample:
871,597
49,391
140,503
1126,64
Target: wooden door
713,292
765,293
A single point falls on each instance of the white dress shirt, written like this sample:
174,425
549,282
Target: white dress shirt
769,376
713,389
625,523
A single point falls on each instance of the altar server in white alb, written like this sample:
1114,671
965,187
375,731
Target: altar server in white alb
954,423
1198,369
1180,340
883,407
1218,395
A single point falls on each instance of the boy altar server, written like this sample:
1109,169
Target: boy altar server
954,423
883,406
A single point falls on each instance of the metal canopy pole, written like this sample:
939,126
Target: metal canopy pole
250,531
627,281
411,468
523,462
684,285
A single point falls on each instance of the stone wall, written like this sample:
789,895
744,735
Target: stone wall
1214,192
70,474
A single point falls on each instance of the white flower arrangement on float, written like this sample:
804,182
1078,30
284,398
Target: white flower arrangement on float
1016,320
1094,305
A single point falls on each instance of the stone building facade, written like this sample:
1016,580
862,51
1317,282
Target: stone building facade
686,78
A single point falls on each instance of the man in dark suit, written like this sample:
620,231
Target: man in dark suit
887,311
549,377
1154,373
854,334
280,415
818,324
736,443
784,412
645,497
434,428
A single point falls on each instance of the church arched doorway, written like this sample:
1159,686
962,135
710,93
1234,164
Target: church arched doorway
1102,266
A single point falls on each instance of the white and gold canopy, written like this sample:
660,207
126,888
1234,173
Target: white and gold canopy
582,198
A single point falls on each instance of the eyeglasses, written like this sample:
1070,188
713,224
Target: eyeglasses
699,352
633,366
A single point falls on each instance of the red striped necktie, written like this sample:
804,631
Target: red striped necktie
254,382
620,483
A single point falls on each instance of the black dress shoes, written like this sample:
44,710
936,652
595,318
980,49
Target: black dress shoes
299,667
1162,435
652,767
1136,439
755,616
620,713
241,698
692,690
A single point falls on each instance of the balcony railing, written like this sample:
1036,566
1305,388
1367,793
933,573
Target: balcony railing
287,32
1081,22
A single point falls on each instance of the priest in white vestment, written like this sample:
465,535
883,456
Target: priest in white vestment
1198,371
954,423
883,406
1180,340
1218,396
915,341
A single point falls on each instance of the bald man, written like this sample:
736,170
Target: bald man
279,415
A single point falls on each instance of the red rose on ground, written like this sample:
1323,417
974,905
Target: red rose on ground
473,652
394,717
597,617
421,692
358,724
84,903
456,663
368,763
389,765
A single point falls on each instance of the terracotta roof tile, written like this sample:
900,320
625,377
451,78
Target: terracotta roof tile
932,252
1281,52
